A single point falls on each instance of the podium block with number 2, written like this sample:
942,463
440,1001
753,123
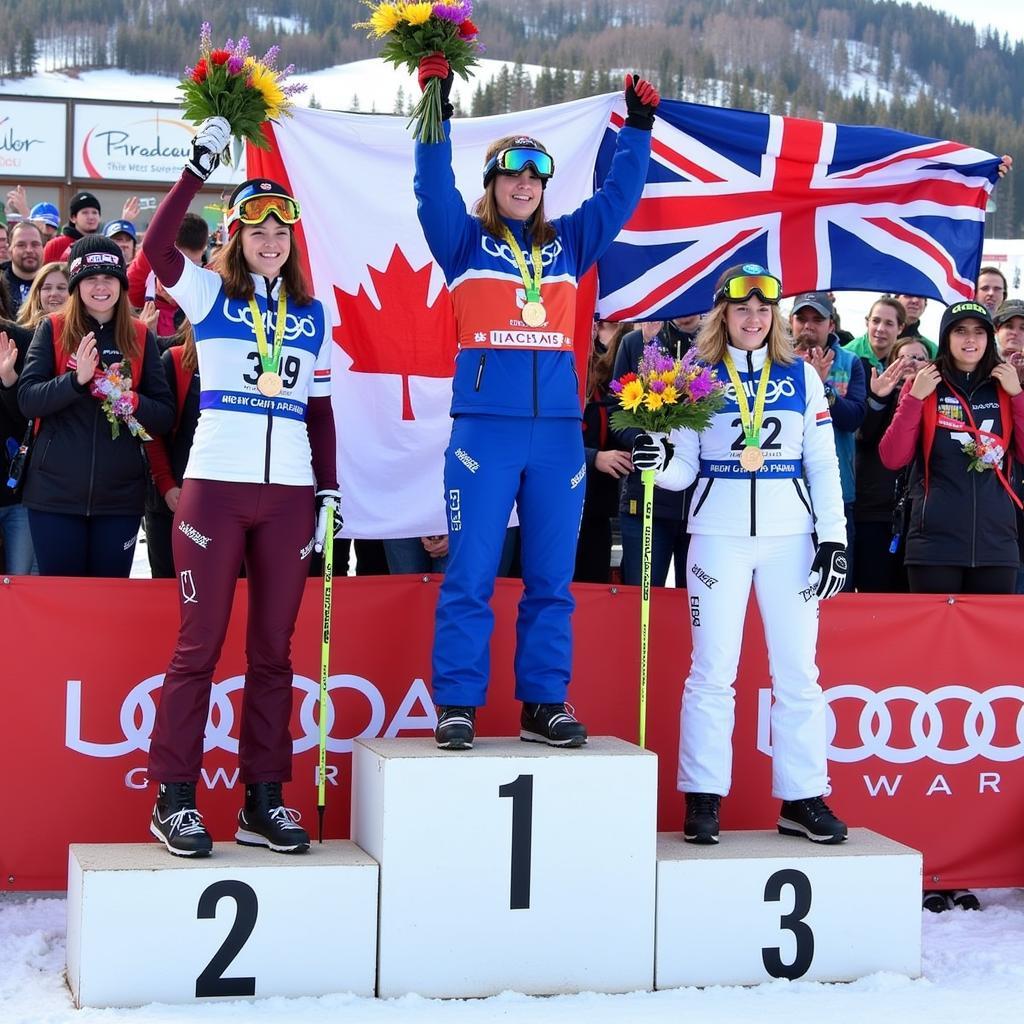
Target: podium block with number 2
510,866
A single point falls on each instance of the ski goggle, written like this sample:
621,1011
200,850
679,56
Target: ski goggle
741,287
256,209
516,159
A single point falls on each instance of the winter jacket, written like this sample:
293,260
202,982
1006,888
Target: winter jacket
17,288
602,498
56,249
957,516
667,504
876,483
504,367
12,422
845,391
168,455
169,314
77,467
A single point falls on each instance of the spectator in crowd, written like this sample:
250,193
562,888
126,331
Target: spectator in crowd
47,295
5,252
1009,324
880,533
606,463
885,320
15,433
991,288
669,539
812,324
251,485
26,249
515,408
46,217
83,219
124,234
915,306
86,487
763,464
143,286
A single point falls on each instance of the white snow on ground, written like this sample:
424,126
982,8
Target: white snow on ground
973,974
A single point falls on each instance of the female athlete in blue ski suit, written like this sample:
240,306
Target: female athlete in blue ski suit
516,434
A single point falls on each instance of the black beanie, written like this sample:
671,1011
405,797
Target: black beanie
95,254
84,201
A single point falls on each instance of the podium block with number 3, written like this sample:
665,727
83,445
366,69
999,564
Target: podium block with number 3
145,926
760,906
510,866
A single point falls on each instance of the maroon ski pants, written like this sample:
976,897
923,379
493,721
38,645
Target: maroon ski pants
217,525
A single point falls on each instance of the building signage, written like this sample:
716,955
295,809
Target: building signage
32,139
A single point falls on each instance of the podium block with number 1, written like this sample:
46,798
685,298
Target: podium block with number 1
511,866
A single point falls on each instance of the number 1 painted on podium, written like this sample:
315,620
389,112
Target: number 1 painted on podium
521,792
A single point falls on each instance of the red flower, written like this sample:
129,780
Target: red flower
627,378
467,30
199,72
220,56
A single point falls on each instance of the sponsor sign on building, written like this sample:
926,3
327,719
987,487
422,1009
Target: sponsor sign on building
32,139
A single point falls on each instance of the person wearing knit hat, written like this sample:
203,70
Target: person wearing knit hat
92,255
84,219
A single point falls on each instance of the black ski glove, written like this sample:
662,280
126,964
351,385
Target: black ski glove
641,101
830,565
651,452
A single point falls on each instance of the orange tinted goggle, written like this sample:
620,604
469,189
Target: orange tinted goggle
739,288
256,209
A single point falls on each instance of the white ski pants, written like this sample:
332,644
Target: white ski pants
719,573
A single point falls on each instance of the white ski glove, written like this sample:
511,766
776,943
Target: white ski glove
324,501
210,140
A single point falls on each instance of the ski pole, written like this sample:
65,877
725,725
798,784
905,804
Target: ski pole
325,657
647,543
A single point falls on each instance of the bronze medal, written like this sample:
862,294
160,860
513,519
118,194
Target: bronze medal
751,458
534,314
269,384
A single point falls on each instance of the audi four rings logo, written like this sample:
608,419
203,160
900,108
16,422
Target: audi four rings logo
972,711
138,715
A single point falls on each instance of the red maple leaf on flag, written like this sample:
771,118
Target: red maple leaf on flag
403,335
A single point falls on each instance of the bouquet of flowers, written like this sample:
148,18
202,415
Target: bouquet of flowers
230,82
665,393
113,386
984,454
413,31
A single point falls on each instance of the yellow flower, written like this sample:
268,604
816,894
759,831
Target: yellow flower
417,14
670,396
632,395
264,81
385,18
654,401
668,376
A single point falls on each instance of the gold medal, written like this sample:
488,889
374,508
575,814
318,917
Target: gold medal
534,314
269,384
751,458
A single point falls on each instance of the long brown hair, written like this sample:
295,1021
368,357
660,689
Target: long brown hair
600,364
32,311
77,323
538,227
230,264
187,341
713,337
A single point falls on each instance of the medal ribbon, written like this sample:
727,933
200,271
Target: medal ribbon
971,427
532,286
751,423
270,361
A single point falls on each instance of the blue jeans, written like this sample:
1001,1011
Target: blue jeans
669,540
19,555
407,554
70,545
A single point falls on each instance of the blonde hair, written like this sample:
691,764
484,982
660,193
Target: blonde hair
32,311
713,337
538,228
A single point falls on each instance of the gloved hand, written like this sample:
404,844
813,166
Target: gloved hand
210,140
641,100
324,501
830,565
436,66
652,452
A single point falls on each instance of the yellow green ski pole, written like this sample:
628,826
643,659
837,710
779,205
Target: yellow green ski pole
647,543
325,657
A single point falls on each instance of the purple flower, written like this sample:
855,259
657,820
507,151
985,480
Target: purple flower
205,40
290,70
293,89
235,65
454,12
657,386
616,386
270,57
242,47
188,72
702,385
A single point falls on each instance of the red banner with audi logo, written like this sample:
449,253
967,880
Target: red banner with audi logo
925,710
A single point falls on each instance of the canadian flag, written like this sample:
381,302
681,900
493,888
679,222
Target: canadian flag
385,297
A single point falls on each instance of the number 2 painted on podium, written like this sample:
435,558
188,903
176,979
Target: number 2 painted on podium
521,792
793,922
212,981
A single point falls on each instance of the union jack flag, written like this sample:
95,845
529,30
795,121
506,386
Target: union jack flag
822,206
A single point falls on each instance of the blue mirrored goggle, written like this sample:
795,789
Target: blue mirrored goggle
516,159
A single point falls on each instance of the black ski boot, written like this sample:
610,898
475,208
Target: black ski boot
455,727
177,823
554,724
265,821
701,824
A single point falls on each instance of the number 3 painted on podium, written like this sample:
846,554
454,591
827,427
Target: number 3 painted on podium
793,921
